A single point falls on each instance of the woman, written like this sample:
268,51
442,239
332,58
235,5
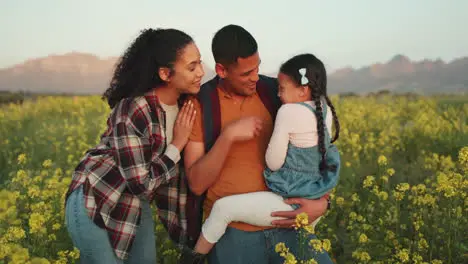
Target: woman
108,214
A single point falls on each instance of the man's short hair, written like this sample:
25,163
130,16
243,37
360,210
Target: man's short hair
232,42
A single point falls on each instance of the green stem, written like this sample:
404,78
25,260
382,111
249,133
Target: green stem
450,234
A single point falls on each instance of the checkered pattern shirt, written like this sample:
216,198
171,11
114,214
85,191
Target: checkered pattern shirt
132,163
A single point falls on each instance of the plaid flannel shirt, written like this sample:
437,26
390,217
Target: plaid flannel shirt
130,164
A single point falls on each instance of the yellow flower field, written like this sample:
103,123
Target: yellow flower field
402,197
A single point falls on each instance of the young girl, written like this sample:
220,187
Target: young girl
301,160
107,212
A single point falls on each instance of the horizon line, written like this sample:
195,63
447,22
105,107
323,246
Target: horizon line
348,66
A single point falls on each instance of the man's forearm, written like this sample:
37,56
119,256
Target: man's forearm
204,172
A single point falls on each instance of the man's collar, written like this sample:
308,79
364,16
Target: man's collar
222,91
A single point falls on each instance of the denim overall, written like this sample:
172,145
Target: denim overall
300,175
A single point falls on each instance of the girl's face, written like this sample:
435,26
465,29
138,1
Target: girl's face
289,92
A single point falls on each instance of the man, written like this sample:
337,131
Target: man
226,151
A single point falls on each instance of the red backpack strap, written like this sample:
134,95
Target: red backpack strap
211,111
211,121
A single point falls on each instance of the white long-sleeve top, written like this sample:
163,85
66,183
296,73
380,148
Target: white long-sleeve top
297,124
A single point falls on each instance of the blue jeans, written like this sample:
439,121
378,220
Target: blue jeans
93,242
240,247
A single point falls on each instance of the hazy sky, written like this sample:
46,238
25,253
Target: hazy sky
341,33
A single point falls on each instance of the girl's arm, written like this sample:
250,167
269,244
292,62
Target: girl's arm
278,146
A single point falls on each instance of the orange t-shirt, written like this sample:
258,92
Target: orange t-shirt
244,165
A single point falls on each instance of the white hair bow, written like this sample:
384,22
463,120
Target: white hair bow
304,79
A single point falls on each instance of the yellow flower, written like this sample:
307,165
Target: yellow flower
339,201
383,195
361,255
382,160
355,198
463,158
47,163
419,189
284,252
19,254
22,159
14,234
398,195
390,172
5,249
34,192
36,223
384,179
390,235
75,253
418,224
280,247
422,244
369,181
403,255
360,218
316,244
39,261
418,259
309,229
326,244
403,187
363,239
290,259
302,220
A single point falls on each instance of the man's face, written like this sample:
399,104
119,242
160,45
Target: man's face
243,75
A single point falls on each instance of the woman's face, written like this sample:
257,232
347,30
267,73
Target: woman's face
188,71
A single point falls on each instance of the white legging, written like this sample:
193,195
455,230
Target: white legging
252,208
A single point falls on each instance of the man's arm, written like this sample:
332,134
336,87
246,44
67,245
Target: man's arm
203,169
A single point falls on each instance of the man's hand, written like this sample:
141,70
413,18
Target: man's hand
244,129
313,208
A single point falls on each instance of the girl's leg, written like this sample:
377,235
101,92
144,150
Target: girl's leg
144,246
91,240
251,208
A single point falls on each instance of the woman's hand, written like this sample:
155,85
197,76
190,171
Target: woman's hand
313,208
183,125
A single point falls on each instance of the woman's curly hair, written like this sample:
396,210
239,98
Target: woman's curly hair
137,70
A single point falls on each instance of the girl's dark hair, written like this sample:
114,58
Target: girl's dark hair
317,82
137,70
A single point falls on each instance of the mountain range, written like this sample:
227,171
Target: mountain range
83,73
